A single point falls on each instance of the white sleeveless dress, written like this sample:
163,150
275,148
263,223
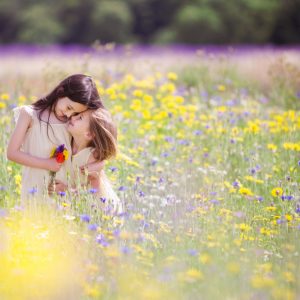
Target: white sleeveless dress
81,158
38,142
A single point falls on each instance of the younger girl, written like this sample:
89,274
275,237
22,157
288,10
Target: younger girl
94,139
42,126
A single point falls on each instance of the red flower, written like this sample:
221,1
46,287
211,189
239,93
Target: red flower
60,158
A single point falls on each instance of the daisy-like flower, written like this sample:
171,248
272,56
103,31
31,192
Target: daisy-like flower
277,192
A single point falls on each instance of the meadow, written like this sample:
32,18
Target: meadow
208,169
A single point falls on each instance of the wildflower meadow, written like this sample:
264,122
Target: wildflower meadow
208,169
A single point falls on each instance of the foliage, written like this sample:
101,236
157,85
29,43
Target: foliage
145,21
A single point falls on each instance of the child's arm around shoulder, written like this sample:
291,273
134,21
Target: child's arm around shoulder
16,140
94,168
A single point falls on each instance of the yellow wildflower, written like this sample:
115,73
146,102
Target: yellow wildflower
244,227
260,282
233,267
205,258
172,76
245,191
277,192
272,147
5,96
221,88
193,275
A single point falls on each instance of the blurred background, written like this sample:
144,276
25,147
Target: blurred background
150,22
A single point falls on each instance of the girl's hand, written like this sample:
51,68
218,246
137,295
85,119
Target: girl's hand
92,169
52,165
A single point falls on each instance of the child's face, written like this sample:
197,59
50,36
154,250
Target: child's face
79,125
65,108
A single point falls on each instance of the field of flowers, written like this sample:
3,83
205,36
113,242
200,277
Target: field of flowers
208,169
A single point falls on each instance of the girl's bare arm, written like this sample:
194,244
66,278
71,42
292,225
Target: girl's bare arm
16,140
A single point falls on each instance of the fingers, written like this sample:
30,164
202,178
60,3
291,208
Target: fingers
83,170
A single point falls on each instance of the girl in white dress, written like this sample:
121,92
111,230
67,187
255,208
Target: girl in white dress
42,126
94,139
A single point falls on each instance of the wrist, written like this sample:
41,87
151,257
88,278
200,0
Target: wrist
45,164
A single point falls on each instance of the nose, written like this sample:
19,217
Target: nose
68,114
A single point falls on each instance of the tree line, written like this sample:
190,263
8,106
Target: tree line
150,21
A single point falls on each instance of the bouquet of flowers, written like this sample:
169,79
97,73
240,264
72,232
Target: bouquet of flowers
61,154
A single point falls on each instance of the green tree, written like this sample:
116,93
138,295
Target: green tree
40,25
112,21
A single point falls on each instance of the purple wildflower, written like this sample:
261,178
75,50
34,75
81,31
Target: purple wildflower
113,169
100,239
141,194
85,218
12,106
214,201
117,232
154,161
197,132
32,190
169,139
236,184
93,191
126,250
192,252
92,227
260,198
60,148
3,213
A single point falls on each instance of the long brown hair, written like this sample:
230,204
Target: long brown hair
78,88
104,133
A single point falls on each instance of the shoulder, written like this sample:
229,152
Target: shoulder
90,153
25,111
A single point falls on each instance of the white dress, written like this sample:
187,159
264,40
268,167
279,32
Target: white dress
38,142
81,158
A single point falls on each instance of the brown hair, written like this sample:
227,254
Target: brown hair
78,88
104,133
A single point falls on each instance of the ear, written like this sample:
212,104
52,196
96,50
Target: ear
89,135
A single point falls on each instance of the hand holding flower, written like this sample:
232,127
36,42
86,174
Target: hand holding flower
57,157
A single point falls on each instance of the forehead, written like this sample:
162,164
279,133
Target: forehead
77,107
86,113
